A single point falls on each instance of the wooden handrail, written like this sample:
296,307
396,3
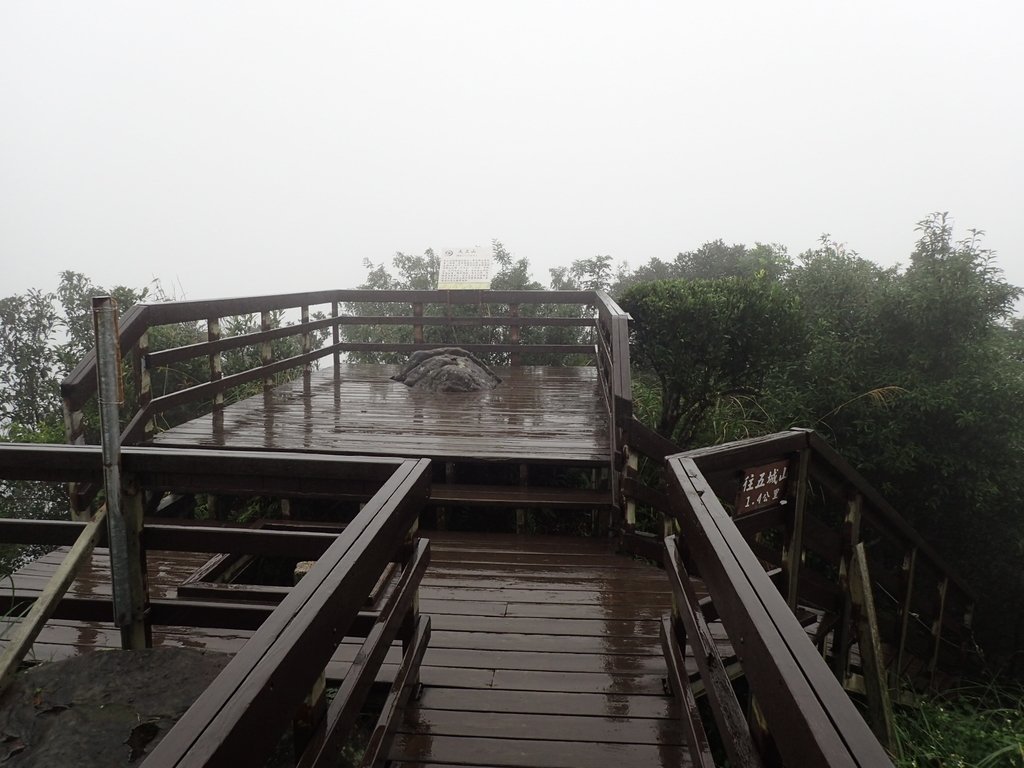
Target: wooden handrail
809,716
80,385
239,717
876,509
293,641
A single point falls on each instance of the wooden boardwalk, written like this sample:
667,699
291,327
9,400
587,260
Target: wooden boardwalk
536,415
552,655
544,651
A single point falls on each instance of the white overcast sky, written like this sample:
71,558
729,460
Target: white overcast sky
232,148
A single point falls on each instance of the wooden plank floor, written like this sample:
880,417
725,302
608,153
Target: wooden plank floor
552,656
544,651
536,415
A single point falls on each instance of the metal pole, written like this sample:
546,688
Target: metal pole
128,584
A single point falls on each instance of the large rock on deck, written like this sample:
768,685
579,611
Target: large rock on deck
446,369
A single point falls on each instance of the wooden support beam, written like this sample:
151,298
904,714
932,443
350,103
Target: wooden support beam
793,549
880,716
937,628
842,638
906,608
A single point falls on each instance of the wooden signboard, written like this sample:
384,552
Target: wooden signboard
762,487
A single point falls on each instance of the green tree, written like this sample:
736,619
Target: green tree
705,340
711,261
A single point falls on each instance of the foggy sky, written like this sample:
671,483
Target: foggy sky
256,147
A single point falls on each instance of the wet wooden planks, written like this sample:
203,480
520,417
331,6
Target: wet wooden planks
544,651
537,415
566,636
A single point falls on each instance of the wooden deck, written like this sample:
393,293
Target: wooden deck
536,415
544,651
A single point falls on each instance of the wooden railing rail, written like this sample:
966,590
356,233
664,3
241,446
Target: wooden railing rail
802,712
923,606
243,713
170,382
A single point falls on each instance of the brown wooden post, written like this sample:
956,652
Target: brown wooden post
266,350
144,382
336,338
216,363
906,609
123,498
793,548
74,430
513,335
136,632
880,716
417,328
937,629
841,637
313,708
632,465
407,632
307,347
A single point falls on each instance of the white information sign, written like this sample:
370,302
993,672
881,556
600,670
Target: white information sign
462,268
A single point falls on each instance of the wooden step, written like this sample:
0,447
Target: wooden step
518,498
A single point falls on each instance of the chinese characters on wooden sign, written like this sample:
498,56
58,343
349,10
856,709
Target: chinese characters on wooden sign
462,268
762,487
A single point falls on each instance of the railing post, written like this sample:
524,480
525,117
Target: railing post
632,465
841,638
123,498
313,708
266,350
144,383
793,549
937,629
906,608
216,366
307,338
307,347
513,335
417,328
880,716
336,337
74,429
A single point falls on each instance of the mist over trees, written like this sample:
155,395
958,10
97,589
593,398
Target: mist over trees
915,374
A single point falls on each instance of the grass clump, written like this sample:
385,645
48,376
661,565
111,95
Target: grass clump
975,727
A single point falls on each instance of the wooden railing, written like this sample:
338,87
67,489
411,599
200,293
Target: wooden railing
924,610
799,713
243,714
340,312
821,586
188,375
